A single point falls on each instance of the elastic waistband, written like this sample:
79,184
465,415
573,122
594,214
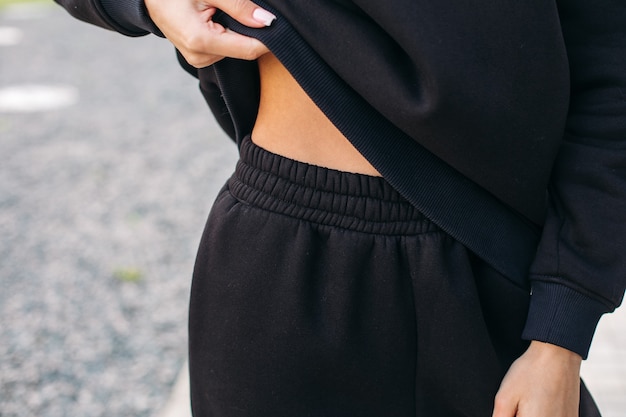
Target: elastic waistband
325,196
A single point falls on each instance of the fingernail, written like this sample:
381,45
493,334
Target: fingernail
263,16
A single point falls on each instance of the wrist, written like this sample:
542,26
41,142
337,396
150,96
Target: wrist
552,352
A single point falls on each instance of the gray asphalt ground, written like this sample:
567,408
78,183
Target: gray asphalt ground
102,204
103,194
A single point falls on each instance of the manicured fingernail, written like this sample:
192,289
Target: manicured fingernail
263,16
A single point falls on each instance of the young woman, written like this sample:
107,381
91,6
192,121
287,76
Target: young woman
319,289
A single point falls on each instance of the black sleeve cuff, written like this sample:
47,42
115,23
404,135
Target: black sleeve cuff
562,316
131,15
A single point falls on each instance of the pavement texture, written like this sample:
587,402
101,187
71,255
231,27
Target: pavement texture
110,162
104,192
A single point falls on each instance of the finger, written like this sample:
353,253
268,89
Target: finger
200,60
245,12
234,45
222,43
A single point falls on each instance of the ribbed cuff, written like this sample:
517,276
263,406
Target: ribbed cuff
132,16
562,316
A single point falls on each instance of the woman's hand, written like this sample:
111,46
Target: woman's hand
543,382
189,26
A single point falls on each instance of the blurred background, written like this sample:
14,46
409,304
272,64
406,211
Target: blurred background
110,161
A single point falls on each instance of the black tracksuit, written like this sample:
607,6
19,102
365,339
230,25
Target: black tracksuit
522,99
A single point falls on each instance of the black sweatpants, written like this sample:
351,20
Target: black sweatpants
323,293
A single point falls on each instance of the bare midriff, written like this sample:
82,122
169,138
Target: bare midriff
291,125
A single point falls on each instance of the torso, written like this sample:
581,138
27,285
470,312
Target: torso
291,125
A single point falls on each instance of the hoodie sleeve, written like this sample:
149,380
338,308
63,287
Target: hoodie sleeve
128,17
580,269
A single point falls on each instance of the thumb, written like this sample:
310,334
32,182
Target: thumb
245,12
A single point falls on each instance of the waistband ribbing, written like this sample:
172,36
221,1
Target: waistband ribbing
324,196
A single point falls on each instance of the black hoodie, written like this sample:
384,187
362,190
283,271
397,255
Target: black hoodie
526,99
